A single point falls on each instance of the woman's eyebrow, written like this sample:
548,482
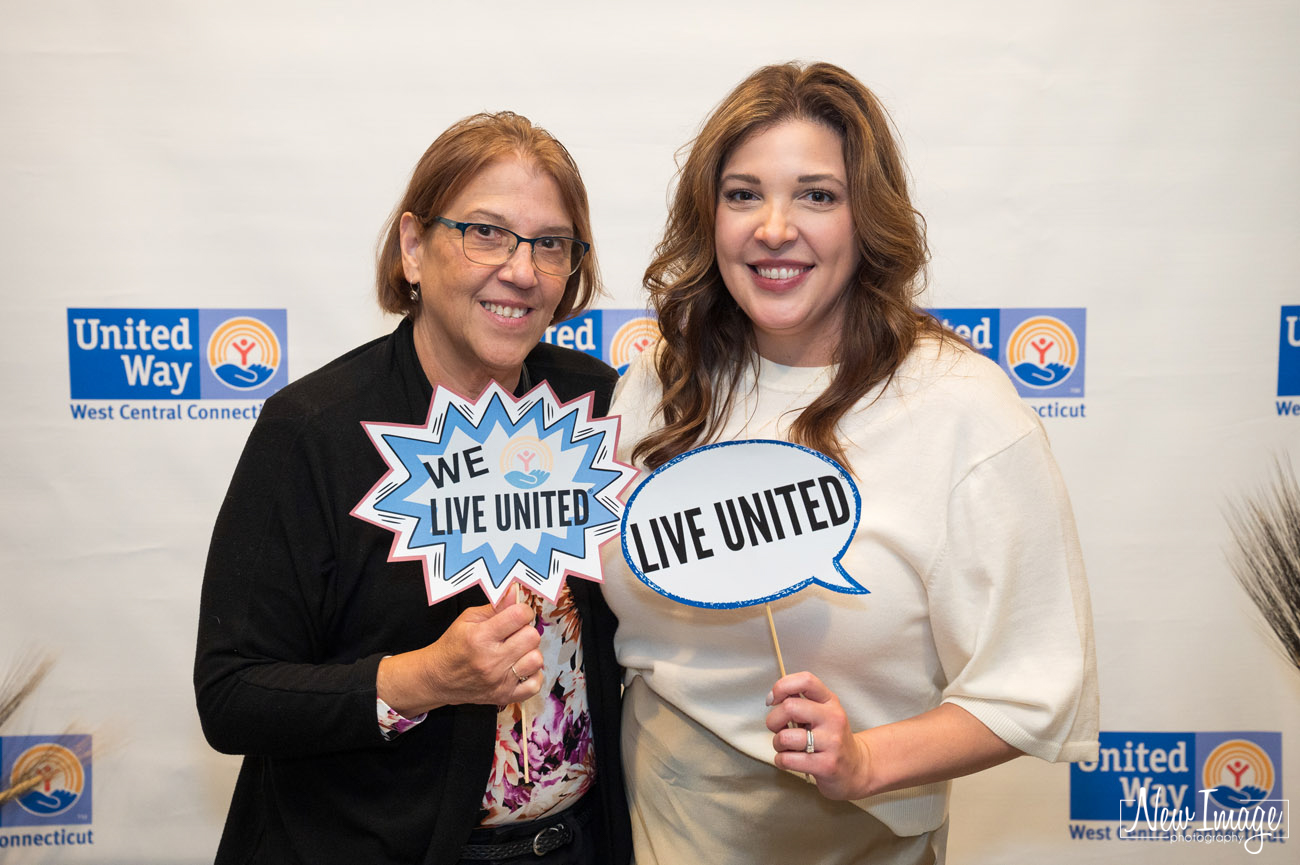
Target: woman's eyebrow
819,178
493,218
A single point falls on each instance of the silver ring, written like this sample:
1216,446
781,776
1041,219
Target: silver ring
521,679
809,749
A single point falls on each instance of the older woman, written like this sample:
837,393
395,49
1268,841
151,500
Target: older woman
372,723
785,287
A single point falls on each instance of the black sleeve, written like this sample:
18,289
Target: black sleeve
262,677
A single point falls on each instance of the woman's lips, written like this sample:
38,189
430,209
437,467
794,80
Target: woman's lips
779,276
779,272
504,310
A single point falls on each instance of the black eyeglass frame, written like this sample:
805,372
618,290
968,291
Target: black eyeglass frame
519,238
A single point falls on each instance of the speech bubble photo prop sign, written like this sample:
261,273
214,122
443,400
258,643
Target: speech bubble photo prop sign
498,490
741,523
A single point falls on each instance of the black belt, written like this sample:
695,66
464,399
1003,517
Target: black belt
537,837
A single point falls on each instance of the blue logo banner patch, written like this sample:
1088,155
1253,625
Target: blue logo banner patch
176,354
1192,776
56,774
1288,353
615,336
1044,352
980,327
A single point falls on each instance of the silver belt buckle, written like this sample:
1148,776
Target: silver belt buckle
537,839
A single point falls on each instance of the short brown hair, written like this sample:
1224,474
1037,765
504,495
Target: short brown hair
707,339
450,164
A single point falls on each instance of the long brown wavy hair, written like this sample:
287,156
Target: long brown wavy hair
706,338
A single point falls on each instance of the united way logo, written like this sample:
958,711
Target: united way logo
616,336
1238,773
1041,350
1044,351
632,337
243,353
526,462
176,354
53,775
1194,774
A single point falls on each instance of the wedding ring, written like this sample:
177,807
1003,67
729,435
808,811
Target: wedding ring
521,679
809,749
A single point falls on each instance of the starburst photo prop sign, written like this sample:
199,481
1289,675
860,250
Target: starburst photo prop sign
499,490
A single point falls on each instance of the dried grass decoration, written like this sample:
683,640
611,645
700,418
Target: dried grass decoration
1266,528
19,682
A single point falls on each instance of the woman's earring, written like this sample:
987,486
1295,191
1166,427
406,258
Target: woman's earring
414,293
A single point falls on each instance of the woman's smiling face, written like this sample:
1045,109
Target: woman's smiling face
478,322
784,239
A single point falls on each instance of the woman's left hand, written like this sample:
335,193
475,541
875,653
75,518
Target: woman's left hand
841,761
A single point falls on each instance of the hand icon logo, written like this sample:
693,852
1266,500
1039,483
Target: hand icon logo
525,481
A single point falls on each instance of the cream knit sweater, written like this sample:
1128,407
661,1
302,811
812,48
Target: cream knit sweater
966,542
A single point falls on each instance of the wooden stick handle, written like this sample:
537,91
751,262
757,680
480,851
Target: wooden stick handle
523,711
776,644
780,663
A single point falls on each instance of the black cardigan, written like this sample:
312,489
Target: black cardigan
300,604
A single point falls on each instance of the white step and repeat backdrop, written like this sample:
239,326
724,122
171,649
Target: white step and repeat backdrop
1119,177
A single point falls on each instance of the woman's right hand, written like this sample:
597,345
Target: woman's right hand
474,661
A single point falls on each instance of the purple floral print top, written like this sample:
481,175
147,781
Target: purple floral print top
561,759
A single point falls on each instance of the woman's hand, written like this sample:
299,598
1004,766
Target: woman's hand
487,656
841,763
943,743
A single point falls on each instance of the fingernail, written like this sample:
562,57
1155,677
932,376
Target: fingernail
771,698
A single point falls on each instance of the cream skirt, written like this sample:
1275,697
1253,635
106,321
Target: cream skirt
695,799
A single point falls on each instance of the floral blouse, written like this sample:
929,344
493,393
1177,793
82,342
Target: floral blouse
561,759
